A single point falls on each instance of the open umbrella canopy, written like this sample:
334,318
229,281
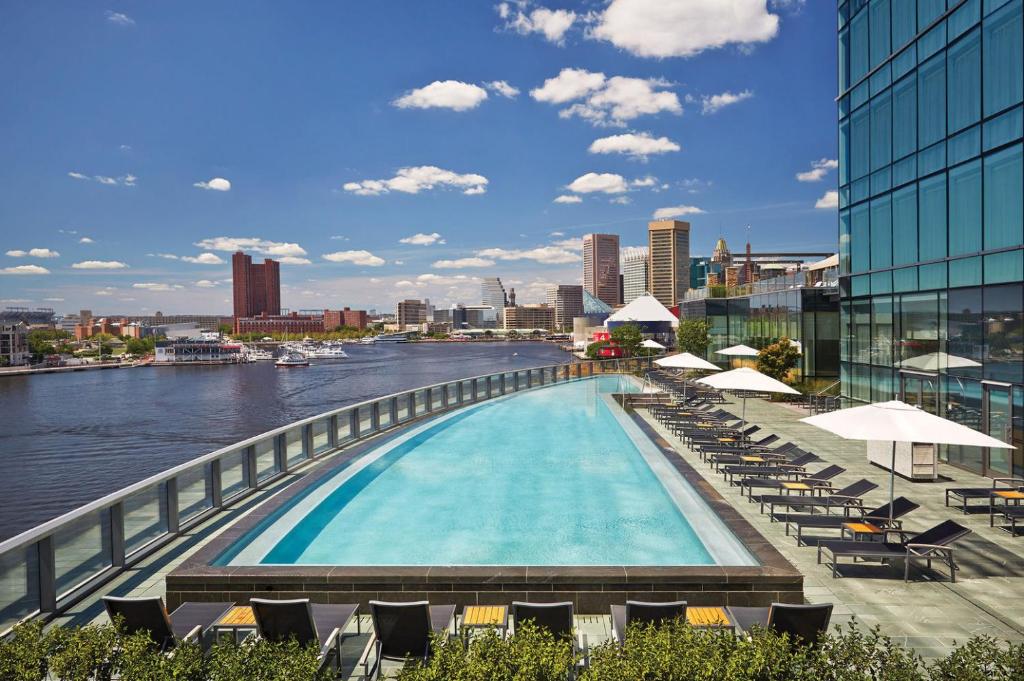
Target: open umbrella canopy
685,360
934,361
746,378
899,422
653,344
738,351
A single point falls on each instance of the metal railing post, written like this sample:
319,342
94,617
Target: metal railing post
249,461
332,431
117,549
353,423
47,575
375,416
171,492
444,396
281,453
215,485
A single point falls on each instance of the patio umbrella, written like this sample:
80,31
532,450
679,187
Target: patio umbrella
685,360
899,422
747,379
933,361
738,351
653,344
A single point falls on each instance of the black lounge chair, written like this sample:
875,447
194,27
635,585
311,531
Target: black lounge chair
1012,514
308,623
555,617
188,623
404,630
932,544
878,517
816,479
784,469
802,623
846,498
965,494
643,614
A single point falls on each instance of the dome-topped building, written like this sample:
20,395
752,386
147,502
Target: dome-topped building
721,253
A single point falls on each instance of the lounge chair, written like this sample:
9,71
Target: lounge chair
845,498
308,623
188,623
932,544
816,479
803,623
404,630
785,469
965,494
641,613
555,617
878,517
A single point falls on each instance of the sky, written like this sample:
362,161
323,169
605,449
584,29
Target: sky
397,149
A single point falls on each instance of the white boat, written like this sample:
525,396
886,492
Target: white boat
291,360
258,355
368,340
327,352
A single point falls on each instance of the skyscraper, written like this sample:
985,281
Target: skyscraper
492,293
257,288
601,267
567,301
668,243
634,273
931,215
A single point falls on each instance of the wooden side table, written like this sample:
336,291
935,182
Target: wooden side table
1008,496
856,530
483,617
238,619
801,487
709,618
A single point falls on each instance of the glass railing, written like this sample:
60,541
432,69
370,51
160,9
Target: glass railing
48,568
823,278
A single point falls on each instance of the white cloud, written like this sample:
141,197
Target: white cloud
695,185
151,286
105,291
128,180
676,211
548,255
607,183
103,179
713,103
77,175
205,283
413,180
443,94
568,198
68,231
606,101
442,280
54,300
399,262
574,244
461,263
420,239
656,28
404,283
99,265
553,24
568,85
119,18
637,146
262,246
86,240
24,269
647,181
355,257
217,184
165,256
621,200
557,234
819,169
292,260
339,237
502,88
204,259
829,201
33,253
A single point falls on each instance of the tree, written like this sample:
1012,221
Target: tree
225,329
778,359
594,349
693,336
628,337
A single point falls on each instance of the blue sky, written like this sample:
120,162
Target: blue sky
397,149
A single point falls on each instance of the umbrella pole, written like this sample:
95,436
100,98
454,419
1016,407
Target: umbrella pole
892,481
743,421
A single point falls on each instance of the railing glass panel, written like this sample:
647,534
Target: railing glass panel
266,460
453,393
510,385
365,420
420,399
81,550
467,392
195,491
145,517
234,474
344,427
437,398
384,407
321,435
295,446
403,407
19,585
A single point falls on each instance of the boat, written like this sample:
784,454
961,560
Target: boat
292,359
258,354
368,340
327,352
392,338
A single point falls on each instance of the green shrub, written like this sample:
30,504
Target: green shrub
138,660
258,660
82,653
981,659
24,655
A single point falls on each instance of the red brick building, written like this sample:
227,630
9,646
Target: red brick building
357,319
257,288
293,323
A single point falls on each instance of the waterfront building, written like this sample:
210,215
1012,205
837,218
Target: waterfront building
530,317
492,294
411,313
649,315
113,326
197,351
14,350
634,273
668,243
931,214
567,302
595,313
601,267
355,319
257,288
291,324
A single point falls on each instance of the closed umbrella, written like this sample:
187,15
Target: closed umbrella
747,379
899,422
738,351
653,344
685,360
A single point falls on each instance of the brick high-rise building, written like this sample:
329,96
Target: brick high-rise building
257,288
601,267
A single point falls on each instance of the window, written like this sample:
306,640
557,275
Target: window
881,233
904,117
1004,212
904,225
928,11
844,60
965,331
1003,78
879,23
859,143
844,241
1004,334
844,153
931,111
919,325
881,131
881,330
965,208
858,47
963,72
932,217
859,239
904,22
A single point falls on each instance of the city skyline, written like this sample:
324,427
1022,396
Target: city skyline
129,185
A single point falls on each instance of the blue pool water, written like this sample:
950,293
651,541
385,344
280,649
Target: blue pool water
554,476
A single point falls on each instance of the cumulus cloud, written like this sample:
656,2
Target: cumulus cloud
415,179
86,240
552,24
292,260
829,201
119,18
205,283
568,85
128,180
279,249
621,200
548,255
502,88
204,259
606,101
24,270
99,265
647,181
445,280
217,184
819,169
676,211
420,239
461,263
710,104
637,146
355,257
607,183
656,28
443,94
33,253
568,198
158,287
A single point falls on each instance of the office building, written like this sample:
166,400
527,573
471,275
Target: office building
601,267
356,319
634,273
668,244
931,214
492,294
290,324
567,302
530,317
257,288
14,349
699,269
411,313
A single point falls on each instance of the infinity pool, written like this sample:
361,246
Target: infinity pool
554,476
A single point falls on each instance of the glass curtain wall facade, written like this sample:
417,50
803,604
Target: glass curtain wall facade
931,219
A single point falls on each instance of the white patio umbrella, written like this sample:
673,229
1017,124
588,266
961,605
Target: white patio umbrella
747,379
685,360
653,344
899,422
738,351
934,361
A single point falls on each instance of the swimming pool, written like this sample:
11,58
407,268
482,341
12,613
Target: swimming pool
555,476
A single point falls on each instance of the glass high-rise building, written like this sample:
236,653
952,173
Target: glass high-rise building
931,213
492,293
634,273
